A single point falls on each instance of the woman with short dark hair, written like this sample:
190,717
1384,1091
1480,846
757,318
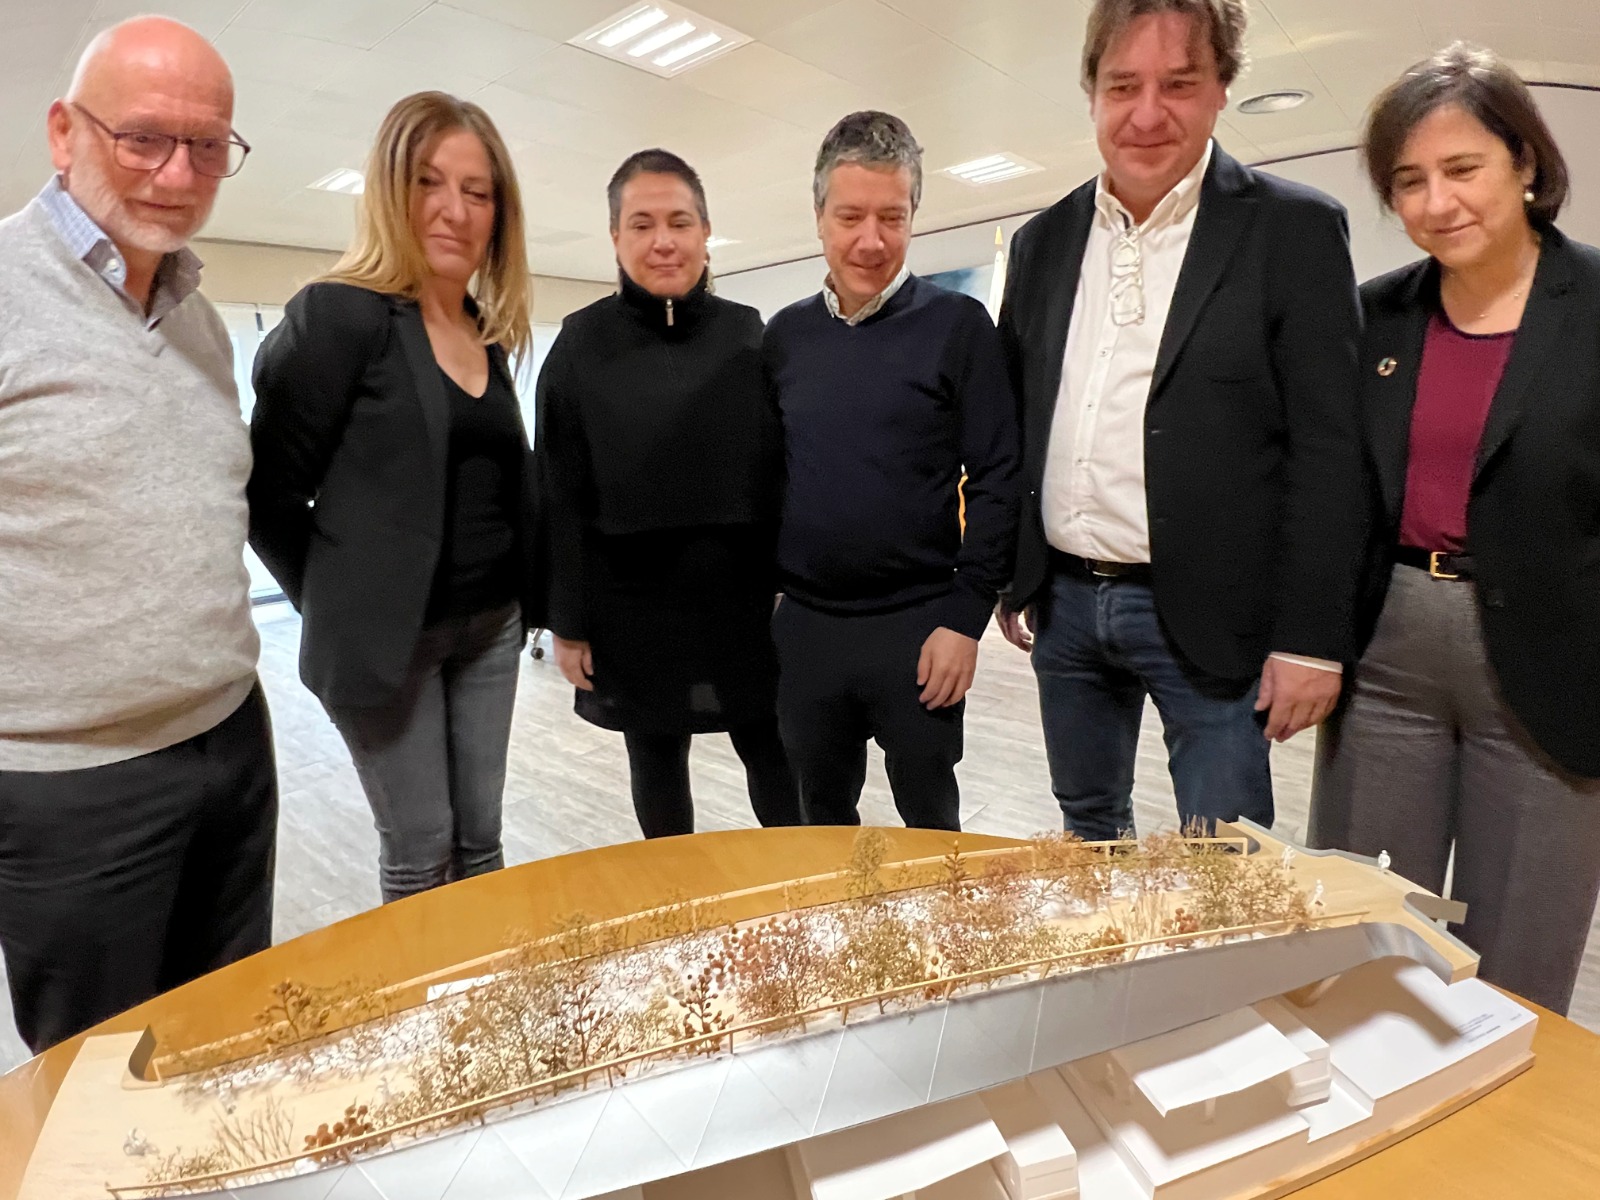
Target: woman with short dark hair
661,466
1473,721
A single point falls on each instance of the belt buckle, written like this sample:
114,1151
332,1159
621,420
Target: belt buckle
1095,565
1433,566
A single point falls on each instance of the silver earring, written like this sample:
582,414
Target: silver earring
1527,196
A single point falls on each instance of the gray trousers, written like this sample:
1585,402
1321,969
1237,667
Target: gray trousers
433,764
1423,755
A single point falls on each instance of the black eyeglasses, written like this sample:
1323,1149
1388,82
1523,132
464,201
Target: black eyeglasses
141,150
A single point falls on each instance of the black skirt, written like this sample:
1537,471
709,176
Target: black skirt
680,630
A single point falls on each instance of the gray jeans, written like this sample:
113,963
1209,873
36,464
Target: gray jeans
433,764
1424,755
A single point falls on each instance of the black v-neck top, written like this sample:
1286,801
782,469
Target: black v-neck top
477,565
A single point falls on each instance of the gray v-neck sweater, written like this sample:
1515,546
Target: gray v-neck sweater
124,601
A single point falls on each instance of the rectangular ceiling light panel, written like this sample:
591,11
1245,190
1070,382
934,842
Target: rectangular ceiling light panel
993,168
343,180
664,39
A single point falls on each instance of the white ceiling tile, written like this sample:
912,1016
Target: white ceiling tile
970,76
758,18
1056,77
998,114
258,104
777,84
576,77
281,58
209,17
1023,33
1348,72
557,20
42,41
869,44
374,74
550,122
1302,19
1235,141
361,23
1567,14
1569,51
466,40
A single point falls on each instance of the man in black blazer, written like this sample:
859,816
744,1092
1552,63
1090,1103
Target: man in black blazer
1182,332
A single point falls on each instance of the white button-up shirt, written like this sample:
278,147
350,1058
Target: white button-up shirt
871,307
1093,498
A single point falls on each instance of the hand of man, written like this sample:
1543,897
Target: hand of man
945,669
1016,627
576,662
1295,697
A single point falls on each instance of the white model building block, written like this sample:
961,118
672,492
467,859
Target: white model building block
1039,1162
1208,1060
1102,1175
765,1175
1309,1084
883,1160
980,1183
1197,1152
1398,1033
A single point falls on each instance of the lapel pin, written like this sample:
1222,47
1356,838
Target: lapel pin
1386,367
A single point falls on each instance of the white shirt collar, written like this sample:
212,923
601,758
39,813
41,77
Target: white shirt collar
1170,210
831,298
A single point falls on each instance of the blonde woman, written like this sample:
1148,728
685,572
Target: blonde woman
391,491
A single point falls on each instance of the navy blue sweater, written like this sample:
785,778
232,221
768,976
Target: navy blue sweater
880,420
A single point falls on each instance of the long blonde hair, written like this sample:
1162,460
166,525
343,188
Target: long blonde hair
386,255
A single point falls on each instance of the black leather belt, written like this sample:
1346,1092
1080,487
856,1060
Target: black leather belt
1437,563
1098,568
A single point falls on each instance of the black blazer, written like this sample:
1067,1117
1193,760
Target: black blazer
1533,516
351,433
1252,455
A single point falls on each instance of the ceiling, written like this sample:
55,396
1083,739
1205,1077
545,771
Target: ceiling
971,77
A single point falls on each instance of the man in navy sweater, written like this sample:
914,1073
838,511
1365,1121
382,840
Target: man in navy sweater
890,389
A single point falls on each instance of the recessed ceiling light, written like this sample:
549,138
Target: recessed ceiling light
631,27
992,168
713,242
344,181
1273,102
662,38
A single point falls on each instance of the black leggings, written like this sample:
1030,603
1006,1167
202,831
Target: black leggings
658,768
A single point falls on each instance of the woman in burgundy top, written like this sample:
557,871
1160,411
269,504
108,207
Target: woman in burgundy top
1472,721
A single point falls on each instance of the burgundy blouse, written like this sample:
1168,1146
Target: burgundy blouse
1456,383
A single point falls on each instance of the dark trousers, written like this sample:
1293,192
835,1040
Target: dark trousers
845,679
118,883
433,763
658,769
1098,651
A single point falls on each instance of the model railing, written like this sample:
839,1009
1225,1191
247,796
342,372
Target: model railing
932,990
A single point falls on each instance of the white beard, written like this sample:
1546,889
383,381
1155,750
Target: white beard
106,208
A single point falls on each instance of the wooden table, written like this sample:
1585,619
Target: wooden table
1536,1136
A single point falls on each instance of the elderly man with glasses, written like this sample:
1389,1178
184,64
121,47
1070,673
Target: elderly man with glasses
138,794
1182,331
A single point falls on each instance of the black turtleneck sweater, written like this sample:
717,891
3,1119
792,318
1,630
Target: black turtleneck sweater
652,417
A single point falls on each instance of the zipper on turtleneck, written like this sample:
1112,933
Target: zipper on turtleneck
669,312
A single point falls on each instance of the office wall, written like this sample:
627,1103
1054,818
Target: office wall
254,273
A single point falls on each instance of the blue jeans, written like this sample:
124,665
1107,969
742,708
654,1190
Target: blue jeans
433,764
1098,651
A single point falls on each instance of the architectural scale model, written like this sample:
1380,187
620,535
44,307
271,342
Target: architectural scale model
1176,1019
